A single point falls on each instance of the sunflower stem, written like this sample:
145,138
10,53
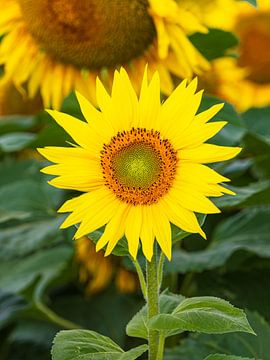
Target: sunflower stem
161,347
152,304
160,269
141,278
56,319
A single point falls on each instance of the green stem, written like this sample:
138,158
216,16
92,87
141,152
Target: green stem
152,304
141,278
161,347
160,269
56,319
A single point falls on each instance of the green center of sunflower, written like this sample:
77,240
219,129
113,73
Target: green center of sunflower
90,33
254,33
137,166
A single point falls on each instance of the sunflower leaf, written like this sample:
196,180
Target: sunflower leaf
226,357
85,344
204,314
138,325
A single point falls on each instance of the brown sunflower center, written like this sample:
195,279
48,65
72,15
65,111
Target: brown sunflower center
254,33
90,33
139,166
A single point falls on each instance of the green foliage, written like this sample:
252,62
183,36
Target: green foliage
215,43
199,346
203,314
85,344
226,357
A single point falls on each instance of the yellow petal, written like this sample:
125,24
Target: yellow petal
208,153
133,229
162,230
147,235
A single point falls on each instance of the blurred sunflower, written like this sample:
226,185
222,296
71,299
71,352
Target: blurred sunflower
139,159
12,102
245,81
213,13
61,45
96,271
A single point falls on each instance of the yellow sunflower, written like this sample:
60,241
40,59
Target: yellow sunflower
56,46
245,81
213,13
97,272
140,164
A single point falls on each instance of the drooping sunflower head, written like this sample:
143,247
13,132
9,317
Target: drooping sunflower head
62,45
139,164
90,33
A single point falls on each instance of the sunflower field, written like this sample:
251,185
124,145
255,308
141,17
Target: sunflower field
135,179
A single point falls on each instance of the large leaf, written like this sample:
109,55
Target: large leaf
10,306
138,325
18,275
226,357
16,141
89,345
254,194
203,314
198,346
248,230
107,312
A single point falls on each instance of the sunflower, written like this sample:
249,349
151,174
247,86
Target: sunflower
213,13
12,102
97,272
140,164
56,46
249,74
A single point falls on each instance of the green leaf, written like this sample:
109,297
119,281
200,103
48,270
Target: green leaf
252,2
257,193
248,230
18,275
138,325
15,141
14,123
89,345
10,306
215,43
198,346
203,314
226,357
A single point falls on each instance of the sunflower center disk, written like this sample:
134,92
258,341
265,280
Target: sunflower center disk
90,33
254,32
139,166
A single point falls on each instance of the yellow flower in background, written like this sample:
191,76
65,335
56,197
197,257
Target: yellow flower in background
213,13
140,164
94,270
12,102
56,46
97,272
245,81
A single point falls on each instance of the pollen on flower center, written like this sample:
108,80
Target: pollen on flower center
254,32
90,33
139,166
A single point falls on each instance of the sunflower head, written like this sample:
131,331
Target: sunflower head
90,33
254,32
139,164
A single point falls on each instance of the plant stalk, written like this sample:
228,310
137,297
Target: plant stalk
161,347
152,304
